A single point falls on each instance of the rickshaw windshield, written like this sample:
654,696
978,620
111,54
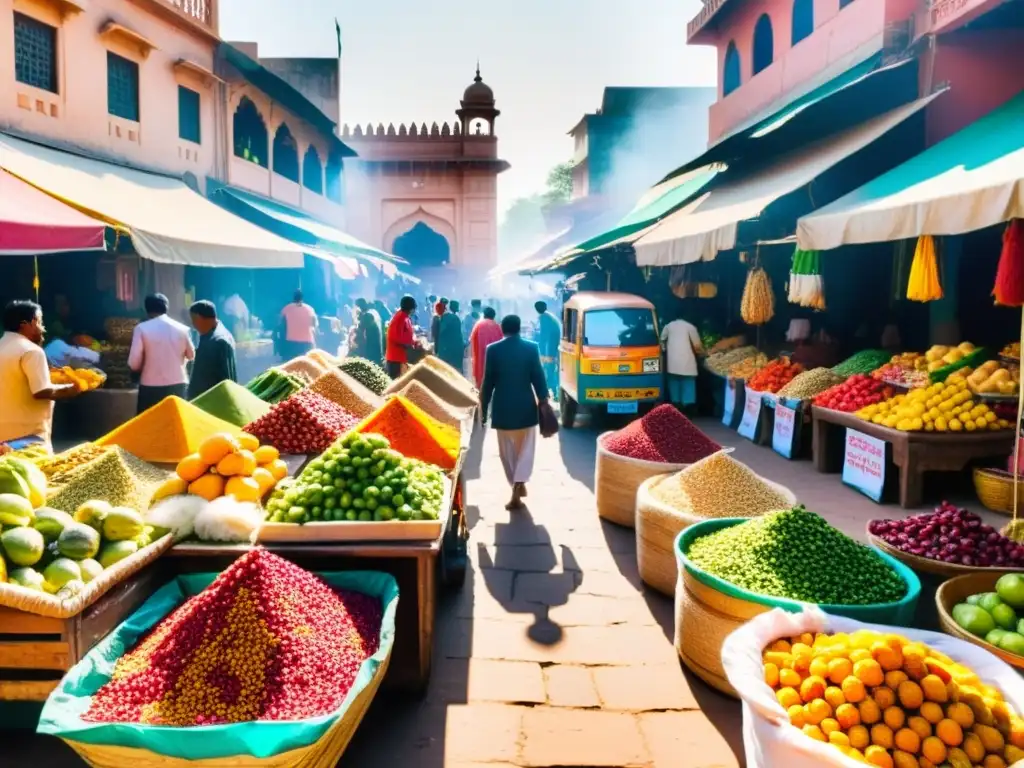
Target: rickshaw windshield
630,327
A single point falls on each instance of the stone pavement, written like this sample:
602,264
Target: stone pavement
552,654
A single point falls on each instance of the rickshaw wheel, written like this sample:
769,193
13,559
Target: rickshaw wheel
567,409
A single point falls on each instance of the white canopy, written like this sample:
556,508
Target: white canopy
168,222
709,224
971,180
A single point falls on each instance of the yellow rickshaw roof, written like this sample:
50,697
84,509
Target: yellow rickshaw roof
587,300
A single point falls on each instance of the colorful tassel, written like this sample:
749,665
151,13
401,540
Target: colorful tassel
923,284
1009,288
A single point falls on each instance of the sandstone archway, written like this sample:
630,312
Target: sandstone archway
406,223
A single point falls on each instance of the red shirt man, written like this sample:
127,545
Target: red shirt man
400,338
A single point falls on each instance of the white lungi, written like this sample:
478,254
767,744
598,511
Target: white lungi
516,448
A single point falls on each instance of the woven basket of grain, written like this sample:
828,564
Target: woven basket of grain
616,480
657,526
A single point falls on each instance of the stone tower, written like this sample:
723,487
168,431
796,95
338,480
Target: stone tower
429,194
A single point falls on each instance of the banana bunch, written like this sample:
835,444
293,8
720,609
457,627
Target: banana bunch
758,304
923,284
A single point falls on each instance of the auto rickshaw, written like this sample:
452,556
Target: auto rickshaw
610,355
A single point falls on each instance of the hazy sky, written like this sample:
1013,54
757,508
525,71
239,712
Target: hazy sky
547,61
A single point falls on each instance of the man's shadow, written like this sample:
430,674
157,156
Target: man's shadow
525,549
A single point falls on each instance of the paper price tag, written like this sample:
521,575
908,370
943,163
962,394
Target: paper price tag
729,402
864,464
784,435
751,415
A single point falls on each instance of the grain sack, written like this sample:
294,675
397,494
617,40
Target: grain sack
616,480
657,525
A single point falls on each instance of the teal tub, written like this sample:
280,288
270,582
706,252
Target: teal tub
899,614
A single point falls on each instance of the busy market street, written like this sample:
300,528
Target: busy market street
511,385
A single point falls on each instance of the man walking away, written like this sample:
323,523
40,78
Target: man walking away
485,333
27,394
369,333
682,345
300,327
215,357
549,336
435,322
161,347
451,346
514,384
400,337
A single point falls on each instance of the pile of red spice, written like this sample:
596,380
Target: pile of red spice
663,435
305,423
265,641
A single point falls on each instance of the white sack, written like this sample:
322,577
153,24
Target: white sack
769,739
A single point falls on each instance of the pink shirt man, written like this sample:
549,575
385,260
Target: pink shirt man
300,323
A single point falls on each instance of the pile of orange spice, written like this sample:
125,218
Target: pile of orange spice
414,433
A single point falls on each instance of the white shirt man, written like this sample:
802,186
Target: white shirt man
682,344
161,348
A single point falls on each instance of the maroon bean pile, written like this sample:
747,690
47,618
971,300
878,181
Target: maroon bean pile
663,435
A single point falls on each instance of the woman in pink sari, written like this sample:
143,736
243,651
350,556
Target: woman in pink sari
485,332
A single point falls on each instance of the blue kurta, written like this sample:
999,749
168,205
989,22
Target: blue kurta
549,336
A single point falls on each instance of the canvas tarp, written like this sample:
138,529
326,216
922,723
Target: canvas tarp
971,180
168,222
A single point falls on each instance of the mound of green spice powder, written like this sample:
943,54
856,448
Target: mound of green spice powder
796,554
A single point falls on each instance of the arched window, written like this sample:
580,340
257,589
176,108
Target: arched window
312,171
250,133
731,70
803,20
764,43
286,154
335,179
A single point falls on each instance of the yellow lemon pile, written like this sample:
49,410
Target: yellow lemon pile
890,702
940,407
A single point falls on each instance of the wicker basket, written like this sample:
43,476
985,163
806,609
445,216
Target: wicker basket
995,490
704,618
657,526
926,564
323,754
43,604
616,480
956,591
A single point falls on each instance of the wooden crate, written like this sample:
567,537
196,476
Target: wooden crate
36,651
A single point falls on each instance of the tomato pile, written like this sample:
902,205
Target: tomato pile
265,641
854,393
774,376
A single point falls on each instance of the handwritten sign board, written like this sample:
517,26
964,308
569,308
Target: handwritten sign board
729,402
751,415
787,427
864,464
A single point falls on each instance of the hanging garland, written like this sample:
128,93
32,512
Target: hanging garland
923,284
757,306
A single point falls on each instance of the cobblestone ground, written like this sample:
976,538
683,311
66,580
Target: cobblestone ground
552,654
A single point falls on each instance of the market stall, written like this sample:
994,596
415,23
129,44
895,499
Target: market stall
913,453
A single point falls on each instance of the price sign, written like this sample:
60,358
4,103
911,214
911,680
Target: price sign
864,464
786,429
729,402
751,415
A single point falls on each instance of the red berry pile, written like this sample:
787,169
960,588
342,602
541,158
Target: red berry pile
265,641
663,435
853,394
305,423
951,535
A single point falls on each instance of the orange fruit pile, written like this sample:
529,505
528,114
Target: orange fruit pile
226,464
887,701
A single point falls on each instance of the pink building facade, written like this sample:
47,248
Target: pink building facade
771,52
143,83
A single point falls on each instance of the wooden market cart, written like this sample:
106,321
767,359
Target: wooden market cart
914,453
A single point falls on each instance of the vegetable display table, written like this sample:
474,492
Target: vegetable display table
36,651
914,453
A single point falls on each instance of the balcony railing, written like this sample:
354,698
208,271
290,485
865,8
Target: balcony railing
202,12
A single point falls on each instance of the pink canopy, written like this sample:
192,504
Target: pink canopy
32,222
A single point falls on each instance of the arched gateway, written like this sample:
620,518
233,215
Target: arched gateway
426,189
